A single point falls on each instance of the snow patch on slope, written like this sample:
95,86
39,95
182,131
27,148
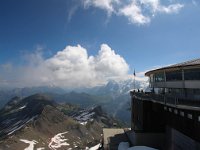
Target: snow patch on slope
96,147
18,125
84,116
31,144
58,141
20,108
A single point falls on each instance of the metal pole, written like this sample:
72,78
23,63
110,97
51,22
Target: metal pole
134,80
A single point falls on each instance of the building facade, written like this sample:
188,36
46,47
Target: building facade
170,114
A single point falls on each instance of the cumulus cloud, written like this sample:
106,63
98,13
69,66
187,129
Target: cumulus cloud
138,12
109,64
71,68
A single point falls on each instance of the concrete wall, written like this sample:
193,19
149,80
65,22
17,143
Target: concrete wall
147,116
175,140
192,84
154,140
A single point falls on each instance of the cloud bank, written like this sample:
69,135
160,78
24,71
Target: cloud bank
69,68
138,12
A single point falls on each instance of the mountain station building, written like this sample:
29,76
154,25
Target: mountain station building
168,117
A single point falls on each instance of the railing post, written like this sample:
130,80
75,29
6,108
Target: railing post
175,101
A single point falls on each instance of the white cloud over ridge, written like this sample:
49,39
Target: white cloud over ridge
69,68
138,12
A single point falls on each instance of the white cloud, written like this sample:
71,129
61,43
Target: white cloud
72,11
175,8
109,64
140,76
107,5
194,2
71,67
134,13
138,12
155,6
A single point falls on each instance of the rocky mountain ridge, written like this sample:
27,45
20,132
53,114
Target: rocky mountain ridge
37,122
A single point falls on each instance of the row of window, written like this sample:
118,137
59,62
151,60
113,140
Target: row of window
189,94
182,113
193,74
174,76
190,74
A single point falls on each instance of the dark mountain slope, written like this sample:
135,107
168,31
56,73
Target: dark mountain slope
18,111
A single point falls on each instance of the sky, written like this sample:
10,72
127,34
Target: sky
78,43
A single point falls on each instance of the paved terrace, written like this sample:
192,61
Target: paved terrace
112,138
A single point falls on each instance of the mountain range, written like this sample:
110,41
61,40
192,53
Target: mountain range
113,96
38,122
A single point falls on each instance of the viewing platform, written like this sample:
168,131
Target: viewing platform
173,101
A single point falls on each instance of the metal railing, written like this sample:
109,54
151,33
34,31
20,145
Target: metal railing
166,99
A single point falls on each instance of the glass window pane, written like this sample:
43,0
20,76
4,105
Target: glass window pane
174,76
159,77
192,74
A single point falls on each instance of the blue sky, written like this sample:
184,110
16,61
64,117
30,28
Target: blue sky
145,33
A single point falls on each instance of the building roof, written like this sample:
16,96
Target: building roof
193,62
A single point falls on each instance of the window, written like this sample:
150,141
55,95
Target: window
196,91
159,77
174,76
192,74
175,92
151,78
